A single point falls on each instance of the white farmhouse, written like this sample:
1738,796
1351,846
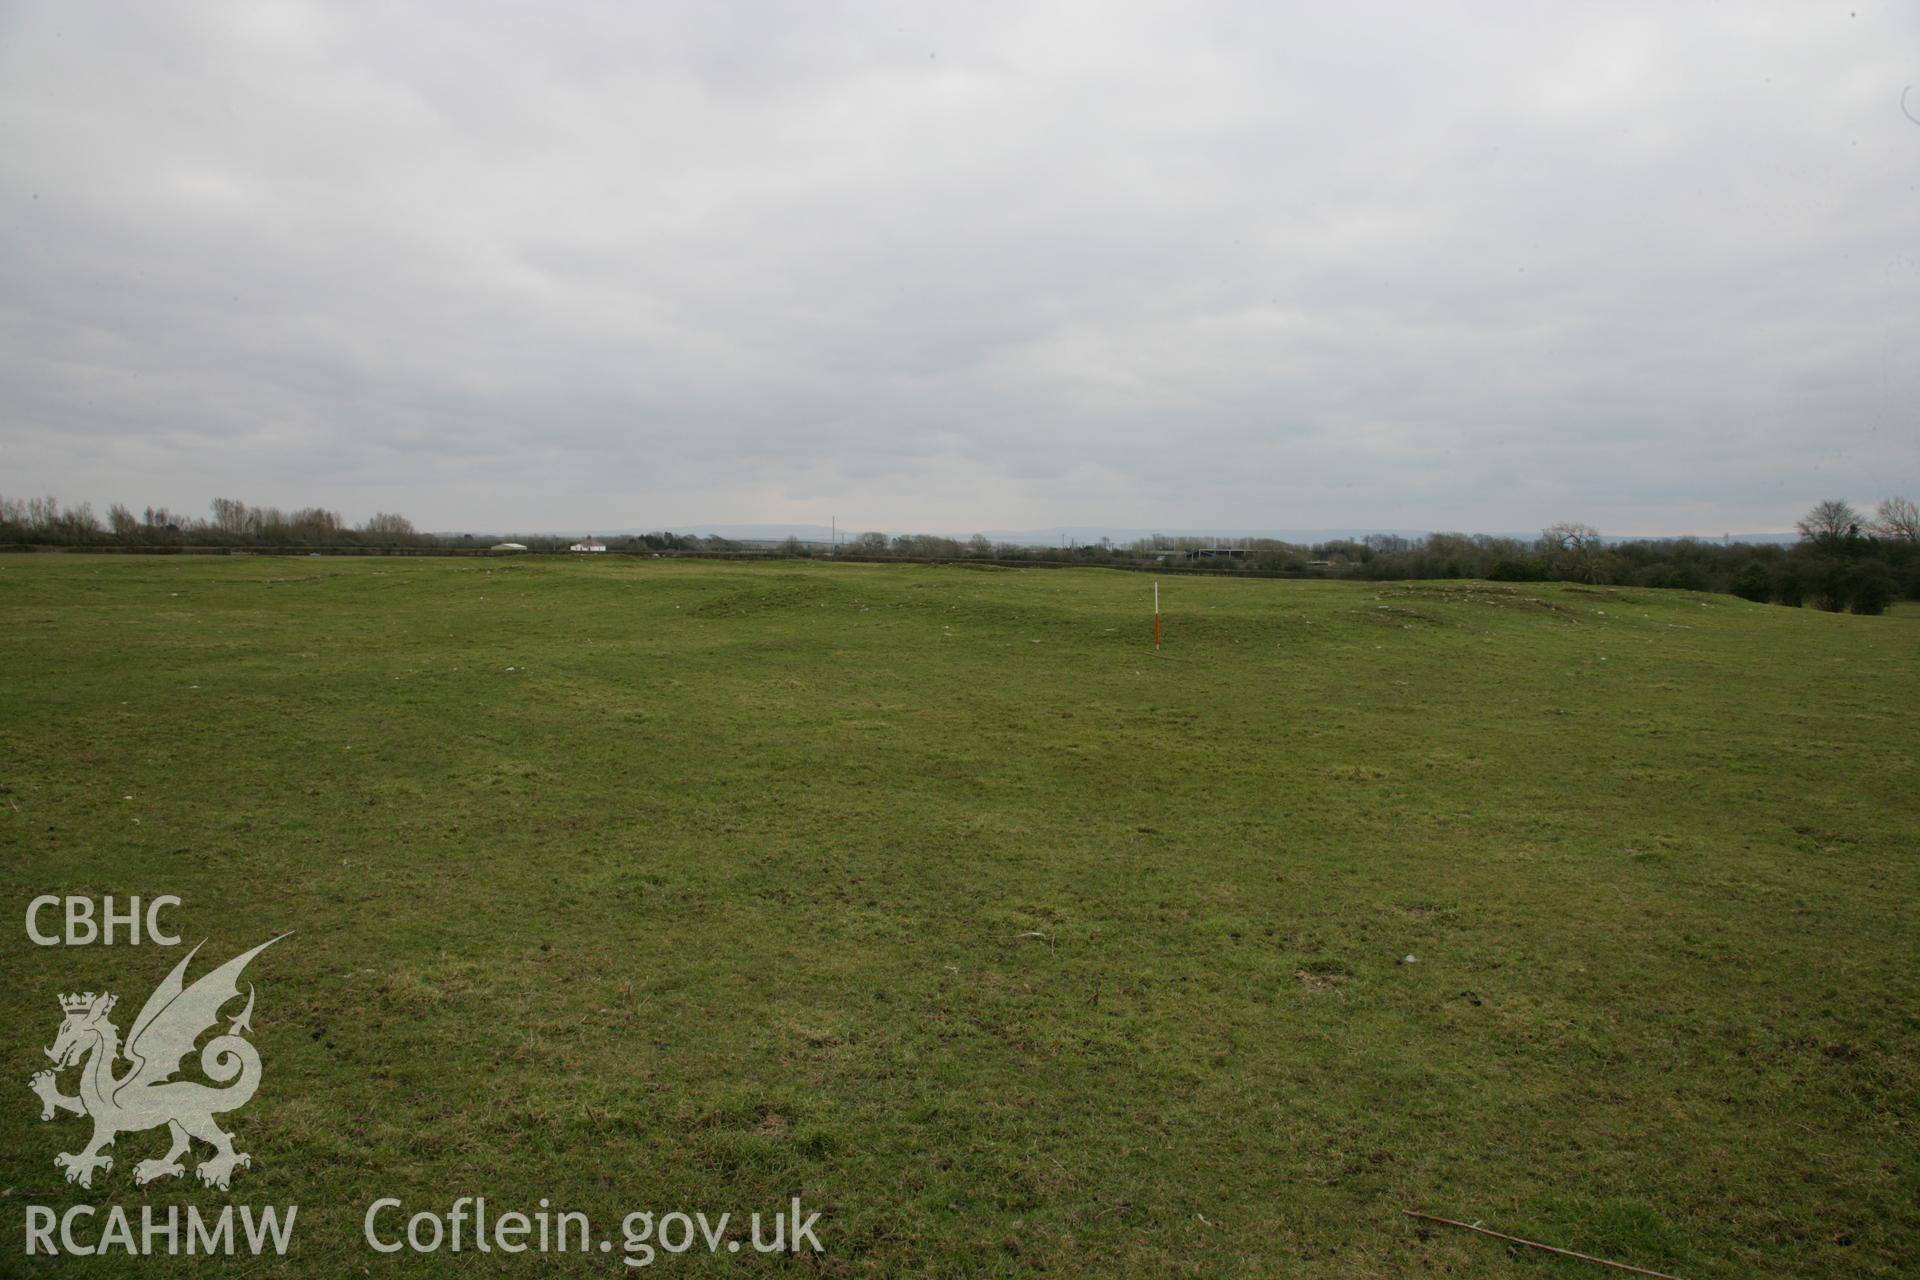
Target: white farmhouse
589,543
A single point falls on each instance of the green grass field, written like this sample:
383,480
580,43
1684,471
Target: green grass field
937,898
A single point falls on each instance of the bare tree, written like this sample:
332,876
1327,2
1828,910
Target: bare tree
1829,521
230,515
315,524
124,523
1576,551
77,523
1897,518
390,527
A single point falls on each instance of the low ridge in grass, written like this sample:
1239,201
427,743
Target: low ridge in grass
942,901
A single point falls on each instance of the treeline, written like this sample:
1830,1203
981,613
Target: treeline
229,523
1844,560
233,523
637,543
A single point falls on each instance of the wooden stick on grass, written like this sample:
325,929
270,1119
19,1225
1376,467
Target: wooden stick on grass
1535,1244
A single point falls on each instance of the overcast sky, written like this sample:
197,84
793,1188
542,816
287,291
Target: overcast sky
1655,267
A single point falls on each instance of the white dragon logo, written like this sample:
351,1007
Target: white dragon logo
146,1095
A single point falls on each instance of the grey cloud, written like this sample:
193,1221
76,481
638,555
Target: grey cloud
983,266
